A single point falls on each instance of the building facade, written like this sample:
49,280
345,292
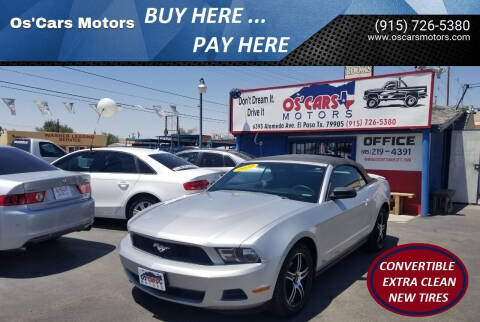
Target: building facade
69,141
386,123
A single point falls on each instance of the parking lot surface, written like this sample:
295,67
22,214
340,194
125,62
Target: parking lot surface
79,278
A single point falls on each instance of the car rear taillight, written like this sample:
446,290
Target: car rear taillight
196,185
22,199
84,189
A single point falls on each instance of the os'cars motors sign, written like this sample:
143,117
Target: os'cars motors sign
392,101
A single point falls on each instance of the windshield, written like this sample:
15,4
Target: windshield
301,182
172,161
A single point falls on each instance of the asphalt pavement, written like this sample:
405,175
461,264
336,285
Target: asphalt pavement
79,278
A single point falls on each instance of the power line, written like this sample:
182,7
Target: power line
93,99
107,90
143,86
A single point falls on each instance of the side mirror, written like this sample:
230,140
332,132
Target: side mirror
343,193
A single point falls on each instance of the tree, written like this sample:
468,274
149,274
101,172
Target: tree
111,138
182,131
54,126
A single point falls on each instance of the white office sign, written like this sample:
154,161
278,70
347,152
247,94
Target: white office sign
401,152
358,71
393,101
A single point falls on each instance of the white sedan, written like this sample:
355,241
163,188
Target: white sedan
127,180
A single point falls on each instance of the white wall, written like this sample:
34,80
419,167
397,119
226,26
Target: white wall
462,176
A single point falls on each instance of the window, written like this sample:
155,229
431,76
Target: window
50,150
289,180
211,160
17,161
346,176
144,168
391,85
244,155
80,162
189,156
172,161
341,148
117,162
22,144
228,161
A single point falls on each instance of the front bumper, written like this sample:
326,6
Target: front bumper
201,285
20,226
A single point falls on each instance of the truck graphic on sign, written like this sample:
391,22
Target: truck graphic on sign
396,90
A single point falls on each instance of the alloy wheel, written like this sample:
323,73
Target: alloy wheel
141,205
381,227
295,278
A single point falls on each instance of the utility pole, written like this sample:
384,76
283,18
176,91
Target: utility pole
448,85
165,132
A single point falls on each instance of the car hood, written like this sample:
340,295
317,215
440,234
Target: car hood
214,218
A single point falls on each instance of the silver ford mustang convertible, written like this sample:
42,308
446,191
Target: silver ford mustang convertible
258,235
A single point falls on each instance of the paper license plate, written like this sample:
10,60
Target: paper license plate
62,192
151,279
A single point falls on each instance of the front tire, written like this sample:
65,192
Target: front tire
376,239
411,100
294,282
372,102
138,204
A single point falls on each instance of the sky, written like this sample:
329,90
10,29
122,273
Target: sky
182,80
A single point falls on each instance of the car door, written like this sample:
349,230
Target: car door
348,217
113,176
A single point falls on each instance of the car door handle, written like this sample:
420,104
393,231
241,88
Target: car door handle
123,185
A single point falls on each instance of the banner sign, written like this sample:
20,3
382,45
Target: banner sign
246,30
10,102
390,151
43,107
358,71
395,101
69,107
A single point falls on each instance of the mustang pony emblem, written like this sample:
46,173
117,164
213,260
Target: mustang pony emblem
160,248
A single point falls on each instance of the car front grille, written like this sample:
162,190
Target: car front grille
171,251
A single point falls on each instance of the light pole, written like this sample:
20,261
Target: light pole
202,89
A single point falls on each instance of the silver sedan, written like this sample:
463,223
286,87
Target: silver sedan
258,235
39,201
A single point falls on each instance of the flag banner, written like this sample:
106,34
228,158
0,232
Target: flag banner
69,107
94,107
174,109
43,107
159,110
10,102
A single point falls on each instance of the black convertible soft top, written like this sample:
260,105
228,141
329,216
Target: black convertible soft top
326,159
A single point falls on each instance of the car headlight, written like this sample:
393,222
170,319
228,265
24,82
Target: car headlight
238,255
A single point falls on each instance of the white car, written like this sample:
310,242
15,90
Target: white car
219,160
127,180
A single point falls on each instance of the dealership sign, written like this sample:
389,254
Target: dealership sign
393,101
390,151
